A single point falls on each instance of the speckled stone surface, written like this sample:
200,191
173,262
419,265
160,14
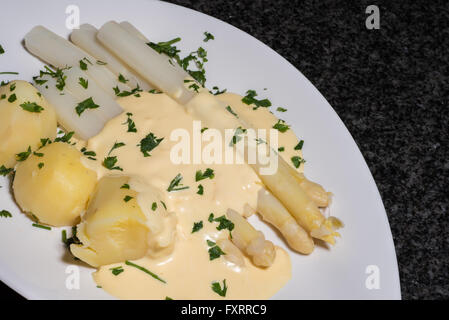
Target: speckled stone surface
391,89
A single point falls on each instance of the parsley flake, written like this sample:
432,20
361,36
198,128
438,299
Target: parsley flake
281,126
176,185
208,173
197,226
250,99
31,107
216,287
149,143
86,104
5,214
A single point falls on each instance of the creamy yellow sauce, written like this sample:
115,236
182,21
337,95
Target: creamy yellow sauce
187,270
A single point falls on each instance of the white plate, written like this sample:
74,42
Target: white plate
33,261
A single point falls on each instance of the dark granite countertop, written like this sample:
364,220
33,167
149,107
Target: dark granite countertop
391,88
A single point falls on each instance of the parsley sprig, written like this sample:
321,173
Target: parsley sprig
176,185
149,143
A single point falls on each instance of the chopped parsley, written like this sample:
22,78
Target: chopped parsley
122,79
89,154
31,107
58,74
176,185
84,105
126,93
166,47
197,226
130,123
223,222
216,287
281,126
83,82
149,143
37,225
116,146
109,163
9,72
200,190
127,198
215,252
250,99
83,65
44,142
237,135
12,98
198,57
232,111
129,263
208,173
208,36
194,87
297,160
117,270
72,240
22,156
5,171
65,138
5,214
216,91
299,145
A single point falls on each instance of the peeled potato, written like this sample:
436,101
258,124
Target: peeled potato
114,227
19,128
55,186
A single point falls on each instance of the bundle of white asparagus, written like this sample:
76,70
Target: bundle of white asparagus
289,201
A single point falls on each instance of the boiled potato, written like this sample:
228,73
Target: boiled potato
23,126
54,185
113,228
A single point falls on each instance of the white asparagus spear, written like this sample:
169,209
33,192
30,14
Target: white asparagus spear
252,242
108,109
272,211
133,30
87,125
152,66
86,38
61,53
314,190
233,254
